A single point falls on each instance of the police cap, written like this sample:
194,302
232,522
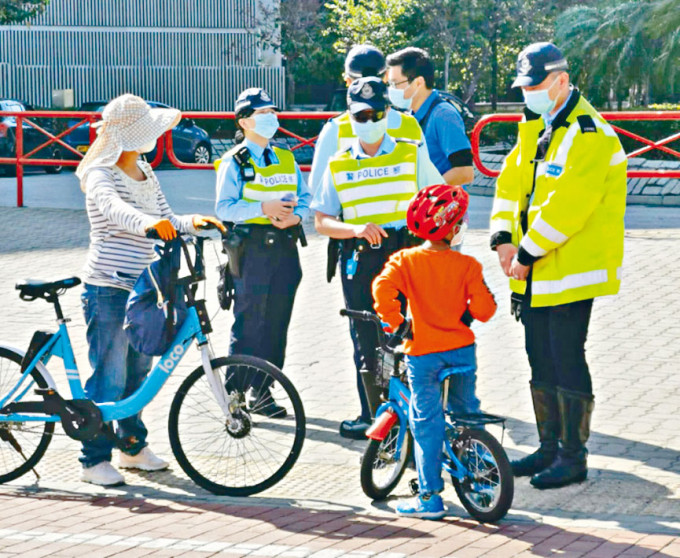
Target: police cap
363,61
252,99
367,93
536,61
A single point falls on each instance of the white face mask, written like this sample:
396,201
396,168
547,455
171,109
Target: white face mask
540,101
266,124
397,98
147,147
458,237
370,132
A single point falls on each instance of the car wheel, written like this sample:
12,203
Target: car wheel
56,154
202,153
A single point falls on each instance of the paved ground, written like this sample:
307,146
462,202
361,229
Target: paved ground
630,505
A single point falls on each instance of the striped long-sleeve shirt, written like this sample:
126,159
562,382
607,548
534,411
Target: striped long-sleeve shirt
120,209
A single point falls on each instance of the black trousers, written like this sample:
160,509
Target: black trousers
555,338
358,296
264,296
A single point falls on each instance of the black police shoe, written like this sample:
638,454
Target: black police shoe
354,429
262,403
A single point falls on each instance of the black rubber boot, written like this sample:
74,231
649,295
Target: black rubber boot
571,466
548,423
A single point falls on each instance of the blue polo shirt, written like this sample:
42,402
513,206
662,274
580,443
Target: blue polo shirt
229,205
444,131
326,198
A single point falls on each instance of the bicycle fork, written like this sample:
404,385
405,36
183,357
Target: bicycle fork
217,387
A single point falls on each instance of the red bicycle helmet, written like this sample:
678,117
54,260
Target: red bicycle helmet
435,211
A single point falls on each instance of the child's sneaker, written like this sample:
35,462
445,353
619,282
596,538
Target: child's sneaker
423,507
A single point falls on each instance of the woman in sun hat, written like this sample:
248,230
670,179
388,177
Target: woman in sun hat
124,201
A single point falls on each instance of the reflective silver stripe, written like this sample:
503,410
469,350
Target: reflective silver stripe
557,65
500,225
606,128
403,205
371,208
371,173
500,205
533,248
262,195
569,282
565,145
619,272
618,158
548,231
374,190
274,180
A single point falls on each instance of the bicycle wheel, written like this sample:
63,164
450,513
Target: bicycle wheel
488,491
380,472
251,451
22,444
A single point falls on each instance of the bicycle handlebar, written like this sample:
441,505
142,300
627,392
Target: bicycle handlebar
388,345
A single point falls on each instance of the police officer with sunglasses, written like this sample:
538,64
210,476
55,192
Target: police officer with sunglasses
362,201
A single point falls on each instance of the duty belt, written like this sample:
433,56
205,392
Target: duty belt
396,240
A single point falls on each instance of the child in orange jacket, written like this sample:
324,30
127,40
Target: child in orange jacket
442,287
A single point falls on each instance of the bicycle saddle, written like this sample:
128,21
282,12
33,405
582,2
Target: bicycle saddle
30,289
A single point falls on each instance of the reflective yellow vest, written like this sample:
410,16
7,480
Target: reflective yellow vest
408,129
270,182
575,215
376,189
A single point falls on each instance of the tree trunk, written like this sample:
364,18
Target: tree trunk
494,69
447,59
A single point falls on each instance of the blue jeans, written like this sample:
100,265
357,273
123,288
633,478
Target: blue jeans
118,370
426,413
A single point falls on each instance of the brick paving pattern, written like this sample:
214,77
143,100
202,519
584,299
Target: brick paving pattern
630,505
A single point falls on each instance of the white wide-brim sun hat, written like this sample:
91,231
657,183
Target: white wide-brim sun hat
127,124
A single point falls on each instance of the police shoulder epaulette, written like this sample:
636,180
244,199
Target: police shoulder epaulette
417,143
586,123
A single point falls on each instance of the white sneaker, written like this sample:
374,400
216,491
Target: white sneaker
145,460
103,474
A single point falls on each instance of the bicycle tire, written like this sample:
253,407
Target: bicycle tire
379,452
496,480
198,429
33,435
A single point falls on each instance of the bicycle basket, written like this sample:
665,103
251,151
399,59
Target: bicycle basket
385,365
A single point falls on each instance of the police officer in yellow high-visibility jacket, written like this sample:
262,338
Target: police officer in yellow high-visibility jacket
557,226
260,189
337,134
362,201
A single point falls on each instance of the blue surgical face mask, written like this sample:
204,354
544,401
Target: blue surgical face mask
397,98
540,101
370,132
266,124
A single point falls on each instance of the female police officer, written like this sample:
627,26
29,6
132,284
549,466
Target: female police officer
261,190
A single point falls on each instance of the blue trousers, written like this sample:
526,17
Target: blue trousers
265,292
118,370
426,412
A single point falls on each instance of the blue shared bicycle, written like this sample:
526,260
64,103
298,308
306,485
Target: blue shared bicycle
474,460
219,431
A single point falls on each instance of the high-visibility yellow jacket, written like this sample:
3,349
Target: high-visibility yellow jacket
569,225
376,189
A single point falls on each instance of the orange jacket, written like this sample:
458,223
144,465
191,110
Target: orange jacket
439,286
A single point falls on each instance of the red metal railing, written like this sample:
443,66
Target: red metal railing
649,145
165,145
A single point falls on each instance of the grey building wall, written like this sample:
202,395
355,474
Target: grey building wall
192,54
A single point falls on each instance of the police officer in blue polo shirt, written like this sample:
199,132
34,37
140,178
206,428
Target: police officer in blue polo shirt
261,191
410,74
362,201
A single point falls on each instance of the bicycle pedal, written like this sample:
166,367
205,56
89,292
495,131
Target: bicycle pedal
414,486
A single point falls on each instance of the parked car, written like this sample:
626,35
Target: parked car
32,137
190,142
338,103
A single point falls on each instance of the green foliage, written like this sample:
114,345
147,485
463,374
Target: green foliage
18,11
624,50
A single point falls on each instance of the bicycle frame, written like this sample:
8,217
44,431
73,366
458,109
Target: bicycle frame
60,346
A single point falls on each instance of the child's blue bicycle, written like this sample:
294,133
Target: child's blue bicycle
474,459
219,431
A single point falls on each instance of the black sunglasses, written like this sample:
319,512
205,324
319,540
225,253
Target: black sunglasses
369,114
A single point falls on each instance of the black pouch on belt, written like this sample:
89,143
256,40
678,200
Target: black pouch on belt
234,246
225,287
333,258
